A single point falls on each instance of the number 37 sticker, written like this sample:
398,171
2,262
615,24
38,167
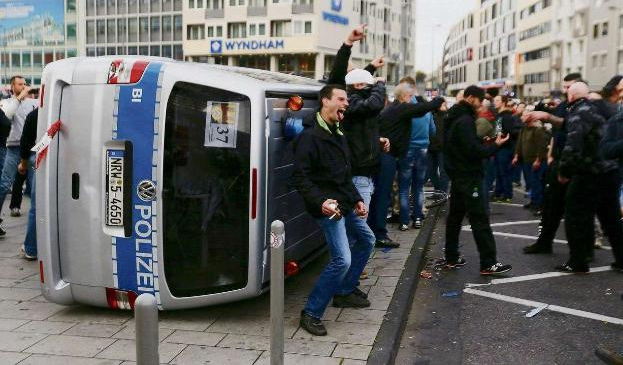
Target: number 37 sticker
221,124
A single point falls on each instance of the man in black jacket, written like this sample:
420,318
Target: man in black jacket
394,124
322,175
593,184
464,152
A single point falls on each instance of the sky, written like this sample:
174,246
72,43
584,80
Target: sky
429,14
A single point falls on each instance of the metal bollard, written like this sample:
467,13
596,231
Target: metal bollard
277,241
146,318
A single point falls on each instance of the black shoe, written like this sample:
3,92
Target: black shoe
460,262
312,325
537,248
394,218
608,356
386,243
351,300
403,227
571,270
616,266
360,293
495,269
417,223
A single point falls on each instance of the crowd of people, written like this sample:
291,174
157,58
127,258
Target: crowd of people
360,145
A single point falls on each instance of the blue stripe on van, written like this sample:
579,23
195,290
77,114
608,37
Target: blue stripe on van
136,256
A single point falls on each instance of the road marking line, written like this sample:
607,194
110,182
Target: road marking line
551,274
554,308
514,223
509,204
526,237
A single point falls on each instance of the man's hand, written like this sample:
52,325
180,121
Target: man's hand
384,144
360,209
24,94
356,34
379,79
379,61
563,180
515,160
533,116
536,165
330,208
444,107
501,138
22,167
550,160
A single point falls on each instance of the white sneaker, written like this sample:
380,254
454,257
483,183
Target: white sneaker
25,255
15,212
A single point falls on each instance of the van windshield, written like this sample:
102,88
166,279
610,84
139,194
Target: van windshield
206,190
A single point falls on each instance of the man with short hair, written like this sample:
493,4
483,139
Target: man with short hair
16,109
464,153
322,175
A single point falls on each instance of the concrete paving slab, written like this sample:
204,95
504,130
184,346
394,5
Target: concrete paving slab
343,332
191,320
388,281
353,362
71,345
17,268
300,359
203,355
195,338
129,332
16,341
11,358
29,284
350,351
82,313
363,315
387,263
29,310
7,324
251,326
126,350
262,343
66,360
45,327
89,329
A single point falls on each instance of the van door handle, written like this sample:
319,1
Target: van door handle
75,186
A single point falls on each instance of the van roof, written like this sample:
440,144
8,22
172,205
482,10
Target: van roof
268,76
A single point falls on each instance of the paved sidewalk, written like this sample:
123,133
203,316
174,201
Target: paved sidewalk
34,331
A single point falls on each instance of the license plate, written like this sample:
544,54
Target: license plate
114,187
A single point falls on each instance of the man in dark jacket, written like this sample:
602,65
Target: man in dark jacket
394,124
593,184
464,152
322,175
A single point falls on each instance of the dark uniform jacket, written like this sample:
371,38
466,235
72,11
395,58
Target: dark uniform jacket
585,131
322,168
463,150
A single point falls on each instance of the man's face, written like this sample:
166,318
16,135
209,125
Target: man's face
406,97
334,108
521,108
497,102
18,85
566,85
359,85
619,91
473,101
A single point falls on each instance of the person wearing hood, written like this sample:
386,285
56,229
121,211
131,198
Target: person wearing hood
395,124
464,152
504,124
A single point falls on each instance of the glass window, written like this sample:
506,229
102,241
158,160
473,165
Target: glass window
177,31
143,6
112,7
199,4
101,31
26,59
143,27
121,30
308,27
155,6
71,6
90,7
604,29
177,5
166,51
72,52
191,4
219,30
122,6
111,25
167,5
252,29
90,31
111,51
37,58
71,31
210,31
101,7
155,28
154,51
166,28
121,50
132,50
194,175
143,50
101,51
178,52
261,30
132,30
132,6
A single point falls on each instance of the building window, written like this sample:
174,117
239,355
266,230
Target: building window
132,50
210,31
595,30
143,29
166,5
101,7
111,30
122,8
154,51
155,6
143,7
308,27
101,31
594,63
604,59
280,28
132,7
143,50
195,31
261,29
166,28
121,30
252,30
90,31
604,29
237,30
177,28
191,4
132,30
91,9
155,28
71,6
112,7
219,30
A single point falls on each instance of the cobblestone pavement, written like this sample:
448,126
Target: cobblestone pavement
35,331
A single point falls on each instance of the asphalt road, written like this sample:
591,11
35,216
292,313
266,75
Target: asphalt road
454,320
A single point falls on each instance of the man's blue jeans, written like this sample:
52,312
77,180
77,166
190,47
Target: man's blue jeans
418,178
365,187
537,182
2,156
382,196
8,172
30,242
341,275
504,173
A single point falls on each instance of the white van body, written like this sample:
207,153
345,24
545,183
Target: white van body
164,179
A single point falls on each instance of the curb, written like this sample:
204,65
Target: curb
387,341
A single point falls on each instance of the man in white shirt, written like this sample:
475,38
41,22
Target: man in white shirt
16,109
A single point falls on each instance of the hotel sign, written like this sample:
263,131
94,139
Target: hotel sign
336,6
219,46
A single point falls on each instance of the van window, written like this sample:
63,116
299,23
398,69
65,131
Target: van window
205,193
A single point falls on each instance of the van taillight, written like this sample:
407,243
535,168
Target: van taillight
120,299
41,95
291,268
41,272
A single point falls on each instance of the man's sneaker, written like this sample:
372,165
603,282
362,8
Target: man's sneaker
417,223
360,293
312,325
616,266
364,275
351,300
460,262
386,243
571,270
495,269
15,212
608,356
403,227
537,248
25,255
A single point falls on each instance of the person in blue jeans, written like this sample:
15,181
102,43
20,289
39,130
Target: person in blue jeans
504,125
322,175
26,167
